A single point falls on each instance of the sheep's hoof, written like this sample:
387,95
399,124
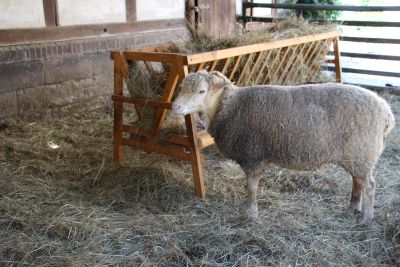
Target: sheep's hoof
249,213
351,212
367,217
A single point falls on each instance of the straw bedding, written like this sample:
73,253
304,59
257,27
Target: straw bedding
63,202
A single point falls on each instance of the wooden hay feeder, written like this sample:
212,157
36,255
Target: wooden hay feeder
288,61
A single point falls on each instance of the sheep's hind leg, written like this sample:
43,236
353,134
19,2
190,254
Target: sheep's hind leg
356,196
367,203
253,179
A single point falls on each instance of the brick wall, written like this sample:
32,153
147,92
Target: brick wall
65,77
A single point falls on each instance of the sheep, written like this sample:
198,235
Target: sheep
296,127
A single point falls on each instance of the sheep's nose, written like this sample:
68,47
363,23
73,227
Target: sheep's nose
177,109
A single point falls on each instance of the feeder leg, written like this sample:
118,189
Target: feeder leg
197,169
117,131
118,107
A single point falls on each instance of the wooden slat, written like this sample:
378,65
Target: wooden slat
235,66
168,150
199,66
258,57
311,57
204,139
316,67
293,66
225,65
230,52
281,61
135,131
264,64
149,67
178,69
124,67
245,66
179,139
142,102
311,48
311,65
272,65
213,65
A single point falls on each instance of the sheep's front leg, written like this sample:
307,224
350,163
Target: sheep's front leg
356,196
251,203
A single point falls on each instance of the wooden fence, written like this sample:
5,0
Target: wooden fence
395,25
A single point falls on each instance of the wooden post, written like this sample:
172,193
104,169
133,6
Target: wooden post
167,94
197,168
191,131
336,53
118,107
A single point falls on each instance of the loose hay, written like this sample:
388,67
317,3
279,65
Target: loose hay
72,206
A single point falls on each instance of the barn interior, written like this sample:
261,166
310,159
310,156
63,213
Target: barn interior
66,199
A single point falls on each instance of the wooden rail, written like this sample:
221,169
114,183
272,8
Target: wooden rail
245,18
323,7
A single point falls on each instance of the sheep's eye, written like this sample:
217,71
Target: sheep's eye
202,92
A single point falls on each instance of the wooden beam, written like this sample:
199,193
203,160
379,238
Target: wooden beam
152,56
370,40
62,33
340,22
130,6
50,12
142,102
168,150
368,72
370,56
236,51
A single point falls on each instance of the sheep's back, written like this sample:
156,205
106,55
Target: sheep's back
299,127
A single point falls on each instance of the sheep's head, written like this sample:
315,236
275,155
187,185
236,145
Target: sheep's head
199,92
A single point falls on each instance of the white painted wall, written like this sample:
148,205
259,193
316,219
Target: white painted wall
262,12
78,12
160,9
21,14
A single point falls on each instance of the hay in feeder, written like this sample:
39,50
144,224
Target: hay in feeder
286,66
199,42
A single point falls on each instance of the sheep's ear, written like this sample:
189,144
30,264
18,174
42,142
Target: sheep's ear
217,80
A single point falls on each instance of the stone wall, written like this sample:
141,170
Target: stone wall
65,77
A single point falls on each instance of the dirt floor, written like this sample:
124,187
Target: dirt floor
63,202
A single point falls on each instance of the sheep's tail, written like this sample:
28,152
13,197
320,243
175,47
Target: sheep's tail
390,121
